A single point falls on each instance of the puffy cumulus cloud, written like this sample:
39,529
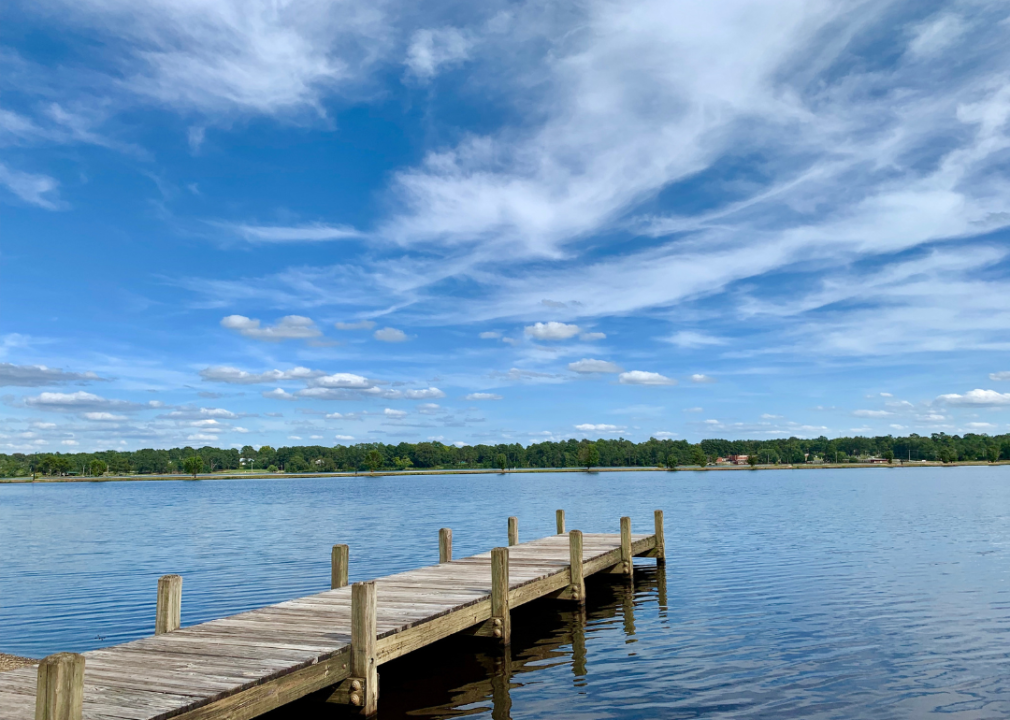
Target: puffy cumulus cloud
432,49
78,402
289,327
278,394
589,365
489,335
591,336
698,378
483,396
359,325
871,413
341,380
202,437
981,426
664,435
976,397
432,393
235,376
1003,375
552,330
643,377
390,335
344,438
103,416
198,413
391,413
600,427
40,376
428,408
70,443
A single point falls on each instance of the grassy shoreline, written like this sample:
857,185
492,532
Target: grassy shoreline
232,475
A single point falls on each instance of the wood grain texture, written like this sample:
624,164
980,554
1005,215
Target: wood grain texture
513,531
59,693
445,545
364,663
559,518
168,613
339,559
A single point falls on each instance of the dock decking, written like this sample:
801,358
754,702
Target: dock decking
241,666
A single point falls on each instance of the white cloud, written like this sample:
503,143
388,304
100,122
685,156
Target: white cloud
591,336
642,377
290,327
69,442
664,435
589,365
341,380
483,396
1003,375
931,417
431,50
886,394
935,35
976,397
601,427
343,437
77,402
432,393
690,339
490,335
391,335
40,376
871,413
697,378
552,330
104,416
981,426
302,233
202,437
359,325
769,416
40,190
694,410
240,429
278,394
232,375
315,437
390,412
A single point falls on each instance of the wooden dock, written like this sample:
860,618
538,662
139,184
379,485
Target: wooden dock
244,665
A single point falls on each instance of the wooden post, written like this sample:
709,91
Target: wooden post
501,618
660,551
626,558
59,694
445,545
339,558
168,614
577,587
364,666
559,515
513,531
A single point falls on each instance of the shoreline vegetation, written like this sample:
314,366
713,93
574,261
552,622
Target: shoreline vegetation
13,662
260,475
566,455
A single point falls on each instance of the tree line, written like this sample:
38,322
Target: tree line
568,453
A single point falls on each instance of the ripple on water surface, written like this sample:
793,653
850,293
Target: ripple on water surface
830,594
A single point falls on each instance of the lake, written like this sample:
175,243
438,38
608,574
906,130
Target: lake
868,593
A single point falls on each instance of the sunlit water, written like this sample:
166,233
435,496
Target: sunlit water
878,593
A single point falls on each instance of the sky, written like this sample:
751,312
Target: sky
249,222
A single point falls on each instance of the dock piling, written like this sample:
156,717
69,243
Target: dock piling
577,587
168,612
626,561
513,530
445,545
339,558
501,617
59,694
559,516
660,551
364,680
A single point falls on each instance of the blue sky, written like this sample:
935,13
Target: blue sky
278,223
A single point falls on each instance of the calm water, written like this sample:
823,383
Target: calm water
827,594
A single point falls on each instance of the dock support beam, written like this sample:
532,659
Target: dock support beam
59,694
444,545
501,617
576,590
339,558
560,517
625,566
513,531
168,613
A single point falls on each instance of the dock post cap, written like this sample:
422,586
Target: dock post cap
59,693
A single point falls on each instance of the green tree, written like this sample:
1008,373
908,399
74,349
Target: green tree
752,460
698,456
889,455
193,465
296,464
97,468
672,461
403,463
993,453
374,459
501,461
589,455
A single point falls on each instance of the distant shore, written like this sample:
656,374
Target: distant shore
231,475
